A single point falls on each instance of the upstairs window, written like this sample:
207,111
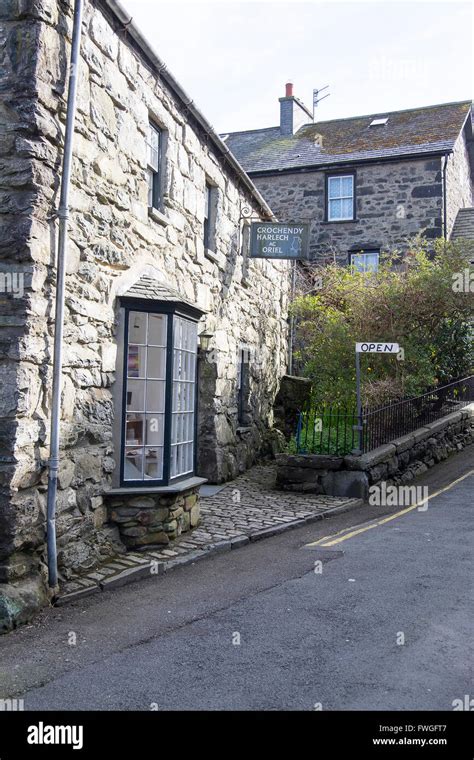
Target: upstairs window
154,160
340,198
210,200
365,261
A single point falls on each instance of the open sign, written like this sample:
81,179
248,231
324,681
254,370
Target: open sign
377,348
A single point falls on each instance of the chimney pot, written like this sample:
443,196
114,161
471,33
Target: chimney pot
289,90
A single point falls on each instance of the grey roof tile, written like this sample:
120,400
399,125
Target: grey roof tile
415,131
149,288
464,224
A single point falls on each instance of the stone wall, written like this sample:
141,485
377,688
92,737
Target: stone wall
395,463
458,181
113,241
394,201
153,519
293,394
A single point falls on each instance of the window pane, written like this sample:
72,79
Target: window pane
153,463
334,187
137,327
134,430
372,262
136,362
174,461
133,464
156,363
335,209
190,455
136,395
346,186
358,262
346,208
155,396
151,183
155,429
153,147
157,329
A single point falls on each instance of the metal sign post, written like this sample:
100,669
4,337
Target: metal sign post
368,347
359,426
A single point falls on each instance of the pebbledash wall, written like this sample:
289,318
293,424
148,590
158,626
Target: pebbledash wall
114,242
393,201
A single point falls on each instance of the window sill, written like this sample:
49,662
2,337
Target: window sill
182,485
158,216
340,221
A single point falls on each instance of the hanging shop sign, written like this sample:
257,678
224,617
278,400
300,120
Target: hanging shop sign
273,240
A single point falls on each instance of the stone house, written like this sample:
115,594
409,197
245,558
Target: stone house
364,183
174,339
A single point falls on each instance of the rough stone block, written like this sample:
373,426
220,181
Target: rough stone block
353,484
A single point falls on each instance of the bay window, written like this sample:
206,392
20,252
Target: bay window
159,393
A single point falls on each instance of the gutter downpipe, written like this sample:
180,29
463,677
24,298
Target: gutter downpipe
63,215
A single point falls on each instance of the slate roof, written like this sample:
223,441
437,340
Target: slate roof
151,289
417,131
464,224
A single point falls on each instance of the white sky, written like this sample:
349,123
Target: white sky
233,58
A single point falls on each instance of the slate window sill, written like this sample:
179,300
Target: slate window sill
182,485
158,216
340,221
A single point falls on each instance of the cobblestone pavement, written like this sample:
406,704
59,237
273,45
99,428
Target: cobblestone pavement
248,508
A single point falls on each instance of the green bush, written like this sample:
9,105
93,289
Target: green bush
410,300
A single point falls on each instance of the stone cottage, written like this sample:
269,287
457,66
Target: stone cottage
364,183
174,339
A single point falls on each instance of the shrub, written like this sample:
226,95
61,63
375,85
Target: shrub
410,300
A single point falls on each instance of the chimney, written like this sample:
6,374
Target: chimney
293,113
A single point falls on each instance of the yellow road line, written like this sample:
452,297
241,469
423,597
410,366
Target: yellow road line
342,535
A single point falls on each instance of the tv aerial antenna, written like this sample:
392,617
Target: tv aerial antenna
317,97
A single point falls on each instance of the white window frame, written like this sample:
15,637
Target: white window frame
341,197
364,254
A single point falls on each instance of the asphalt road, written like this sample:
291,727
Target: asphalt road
386,624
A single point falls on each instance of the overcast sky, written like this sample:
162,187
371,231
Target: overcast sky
233,58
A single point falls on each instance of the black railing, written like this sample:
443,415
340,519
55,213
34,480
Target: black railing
383,424
329,429
333,429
